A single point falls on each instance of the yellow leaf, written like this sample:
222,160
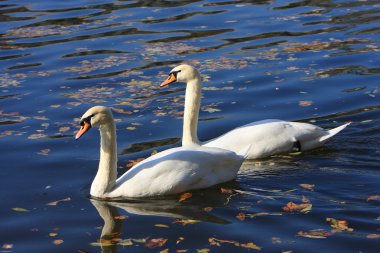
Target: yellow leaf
186,221
19,209
53,234
161,225
340,225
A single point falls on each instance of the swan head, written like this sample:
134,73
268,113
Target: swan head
182,73
94,117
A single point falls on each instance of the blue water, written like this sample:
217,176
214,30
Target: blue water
293,60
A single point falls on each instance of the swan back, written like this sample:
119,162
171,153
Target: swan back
177,170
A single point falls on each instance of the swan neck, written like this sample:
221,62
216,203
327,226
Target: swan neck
191,112
107,171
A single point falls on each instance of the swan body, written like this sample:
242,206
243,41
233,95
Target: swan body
169,172
265,137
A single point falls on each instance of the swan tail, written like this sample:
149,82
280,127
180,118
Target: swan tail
332,132
244,152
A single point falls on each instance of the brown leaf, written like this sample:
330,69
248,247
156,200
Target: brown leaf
64,129
340,225
317,234
240,216
373,197
292,207
226,191
185,196
155,243
7,246
305,103
373,236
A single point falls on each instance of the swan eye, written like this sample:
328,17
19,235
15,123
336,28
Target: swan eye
86,120
175,73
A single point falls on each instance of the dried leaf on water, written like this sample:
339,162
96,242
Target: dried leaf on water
185,196
293,207
7,246
20,209
44,152
339,225
155,242
54,203
161,225
316,234
226,191
373,197
218,242
373,236
58,242
240,216
305,103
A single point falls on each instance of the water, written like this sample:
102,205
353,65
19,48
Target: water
295,60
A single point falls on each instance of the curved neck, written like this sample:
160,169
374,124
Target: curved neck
105,178
191,111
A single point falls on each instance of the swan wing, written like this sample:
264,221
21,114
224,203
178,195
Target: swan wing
177,170
269,137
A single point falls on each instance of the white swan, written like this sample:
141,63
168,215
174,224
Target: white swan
266,137
169,172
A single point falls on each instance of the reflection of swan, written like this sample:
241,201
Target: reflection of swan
171,171
112,228
266,137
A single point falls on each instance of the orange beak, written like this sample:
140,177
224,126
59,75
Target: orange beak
171,79
83,129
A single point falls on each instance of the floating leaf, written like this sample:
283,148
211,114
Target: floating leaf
373,236
276,240
155,242
203,250
207,209
53,234
161,225
7,246
240,216
226,191
218,242
180,239
373,197
305,103
131,128
293,207
340,225
58,242
37,136
317,234
20,209
309,187
54,203
132,163
185,196
64,129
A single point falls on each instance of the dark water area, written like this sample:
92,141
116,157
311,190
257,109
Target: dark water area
309,61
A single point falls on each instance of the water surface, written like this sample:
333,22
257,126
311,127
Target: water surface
295,60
